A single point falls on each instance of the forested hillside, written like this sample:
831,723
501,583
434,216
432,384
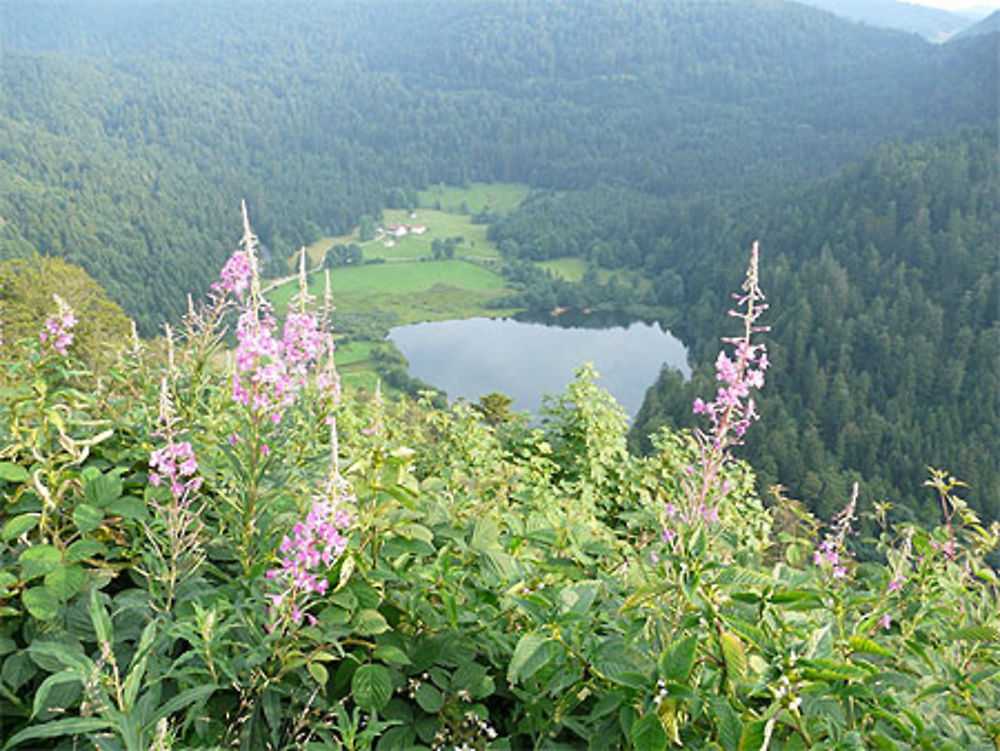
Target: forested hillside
887,279
886,346
130,130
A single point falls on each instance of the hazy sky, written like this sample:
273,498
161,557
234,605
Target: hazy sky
958,4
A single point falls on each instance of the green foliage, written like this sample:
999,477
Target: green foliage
26,289
115,155
517,586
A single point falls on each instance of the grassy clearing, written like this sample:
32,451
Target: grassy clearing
411,291
448,221
570,269
497,197
440,226
353,352
317,251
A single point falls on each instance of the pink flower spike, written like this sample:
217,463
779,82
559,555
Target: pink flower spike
885,621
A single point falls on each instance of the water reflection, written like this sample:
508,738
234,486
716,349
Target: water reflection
528,358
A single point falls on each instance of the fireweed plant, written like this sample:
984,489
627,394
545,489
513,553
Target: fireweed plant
216,548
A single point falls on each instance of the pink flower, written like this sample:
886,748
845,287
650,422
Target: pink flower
895,585
235,276
58,330
314,545
885,621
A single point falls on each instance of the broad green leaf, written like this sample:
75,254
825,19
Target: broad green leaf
41,603
99,618
17,669
58,729
43,652
530,654
319,673
429,698
677,660
371,687
975,633
727,724
417,532
137,671
485,535
744,577
181,701
753,736
392,655
577,598
11,472
870,646
38,561
643,594
833,670
7,580
42,694
369,623
103,489
128,507
734,654
87,518
65,581
607,704
18,526
83,549
648,734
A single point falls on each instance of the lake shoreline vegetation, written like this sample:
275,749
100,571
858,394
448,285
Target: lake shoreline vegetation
250,556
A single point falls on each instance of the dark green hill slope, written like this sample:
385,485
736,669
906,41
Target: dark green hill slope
884,284
129,131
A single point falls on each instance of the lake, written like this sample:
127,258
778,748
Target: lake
528,358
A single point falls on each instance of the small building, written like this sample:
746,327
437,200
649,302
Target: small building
418,229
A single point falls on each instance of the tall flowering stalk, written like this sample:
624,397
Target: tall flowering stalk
272,369
176,532
832,555
304,558
733,410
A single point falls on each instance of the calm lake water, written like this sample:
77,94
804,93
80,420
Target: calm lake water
526,359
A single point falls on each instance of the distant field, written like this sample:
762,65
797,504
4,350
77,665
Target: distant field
411,290
440,226
448,221
409,285
353,352
570,269
498,197
317,250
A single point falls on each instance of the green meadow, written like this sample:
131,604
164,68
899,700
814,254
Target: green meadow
441,212
570,269
499,198
409,285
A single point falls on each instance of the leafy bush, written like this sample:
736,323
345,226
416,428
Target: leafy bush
200,555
